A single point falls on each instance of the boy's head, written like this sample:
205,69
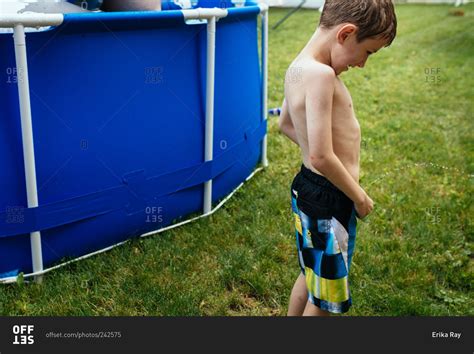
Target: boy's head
358,29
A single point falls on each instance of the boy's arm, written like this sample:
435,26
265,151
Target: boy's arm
319,98
286,125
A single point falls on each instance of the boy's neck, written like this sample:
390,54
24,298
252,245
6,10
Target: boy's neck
319,47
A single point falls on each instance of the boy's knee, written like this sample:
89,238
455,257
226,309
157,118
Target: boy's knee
313,310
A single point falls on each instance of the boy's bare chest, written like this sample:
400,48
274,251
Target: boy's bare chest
343,116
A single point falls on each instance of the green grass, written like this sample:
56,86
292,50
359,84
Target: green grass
413,256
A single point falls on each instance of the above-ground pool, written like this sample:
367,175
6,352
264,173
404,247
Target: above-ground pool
117,125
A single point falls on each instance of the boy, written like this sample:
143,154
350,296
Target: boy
317,114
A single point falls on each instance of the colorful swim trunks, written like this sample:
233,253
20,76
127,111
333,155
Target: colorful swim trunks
325,223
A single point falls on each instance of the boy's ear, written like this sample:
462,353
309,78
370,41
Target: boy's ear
345,32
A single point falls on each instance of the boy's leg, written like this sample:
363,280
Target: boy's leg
312,310
298,297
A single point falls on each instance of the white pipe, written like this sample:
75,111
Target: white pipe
210,73
30,20
27,138
204,13
263,7
264,11
39,19
10,280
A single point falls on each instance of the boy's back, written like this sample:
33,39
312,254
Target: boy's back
318,115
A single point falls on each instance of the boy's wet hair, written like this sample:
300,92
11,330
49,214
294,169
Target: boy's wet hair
374,18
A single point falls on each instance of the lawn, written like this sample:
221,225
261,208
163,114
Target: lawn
414,101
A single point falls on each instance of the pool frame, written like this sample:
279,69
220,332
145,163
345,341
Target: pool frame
18,22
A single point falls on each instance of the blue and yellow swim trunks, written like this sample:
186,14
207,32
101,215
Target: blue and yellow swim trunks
325,223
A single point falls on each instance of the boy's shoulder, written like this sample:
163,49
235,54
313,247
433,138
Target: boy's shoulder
310,71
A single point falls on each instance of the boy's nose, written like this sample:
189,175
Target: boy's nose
362,64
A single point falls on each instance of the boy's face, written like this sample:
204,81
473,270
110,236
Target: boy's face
347,52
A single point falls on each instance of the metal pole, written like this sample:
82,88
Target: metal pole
288,15
264,160
28,144
210,73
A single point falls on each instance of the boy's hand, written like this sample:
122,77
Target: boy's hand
365,207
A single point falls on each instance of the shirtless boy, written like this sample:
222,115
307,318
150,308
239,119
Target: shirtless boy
318,115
